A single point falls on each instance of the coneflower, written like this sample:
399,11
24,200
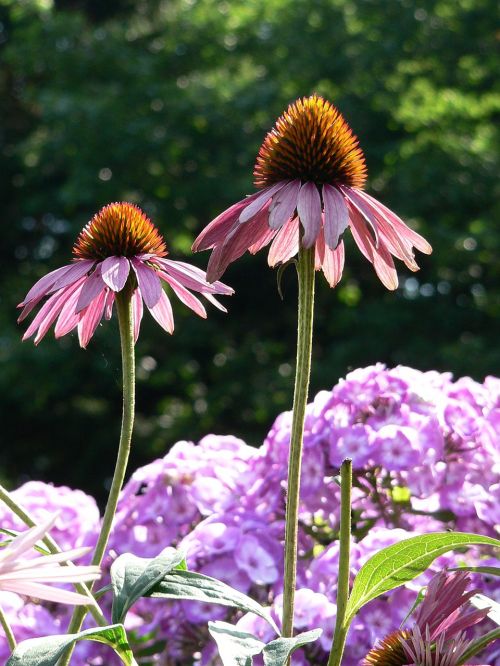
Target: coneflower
311,171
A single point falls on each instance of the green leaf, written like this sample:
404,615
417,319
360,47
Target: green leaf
489,571
180,584
236,648
132,577
48,650
397,564
277,652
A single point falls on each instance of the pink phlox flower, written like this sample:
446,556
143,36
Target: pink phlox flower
24,574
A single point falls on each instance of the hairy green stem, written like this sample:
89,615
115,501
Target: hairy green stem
53,548
341,628
9,634
125,321
305,270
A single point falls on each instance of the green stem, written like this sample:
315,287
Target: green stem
53,548
305,270
9,634
480,644
340,634
125,321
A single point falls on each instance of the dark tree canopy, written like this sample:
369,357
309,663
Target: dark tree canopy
165,104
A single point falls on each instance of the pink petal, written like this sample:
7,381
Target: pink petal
333,264
24,541
286,243
184,295
115,272
236,244
43,286
265,238
258,200
415,239
336,218
284,204
90,319
149,283
77,270
214,302
92,286
352,195
217,230
69,318
41,591
137,310
162,312
309,212
50,311
193,277
108,307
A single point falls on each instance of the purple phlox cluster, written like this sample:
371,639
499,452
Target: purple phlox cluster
426,457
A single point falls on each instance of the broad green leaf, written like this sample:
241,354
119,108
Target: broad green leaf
132,577
236,648
48,650
277,652
397,564
180,584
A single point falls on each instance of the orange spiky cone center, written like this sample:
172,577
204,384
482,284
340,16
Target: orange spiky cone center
311,141
389,651
119,229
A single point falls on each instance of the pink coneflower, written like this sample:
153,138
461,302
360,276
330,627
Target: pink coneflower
120,248
29,575
438,635
311,171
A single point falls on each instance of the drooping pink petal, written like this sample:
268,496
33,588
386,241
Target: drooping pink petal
309,212
115,272
92,286
162,312
90,319
286,243
41,591
331,262
217,230
24,541
149,283
352,195
193,277
415,239
264,239
259,200
75,272
108,306
284,204
137,311
69,318
236,244
184,295
43,286
211,298
378,256
50,311
336,218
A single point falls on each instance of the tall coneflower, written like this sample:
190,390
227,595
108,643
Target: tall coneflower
118,260
310,173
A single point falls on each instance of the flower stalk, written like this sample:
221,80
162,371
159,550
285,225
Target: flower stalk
340,634
9,634
305,271
126,326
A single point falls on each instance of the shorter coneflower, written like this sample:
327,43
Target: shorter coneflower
120,248
310,171
437,637
26,574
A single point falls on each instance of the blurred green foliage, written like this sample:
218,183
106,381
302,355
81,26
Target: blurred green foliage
165,103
